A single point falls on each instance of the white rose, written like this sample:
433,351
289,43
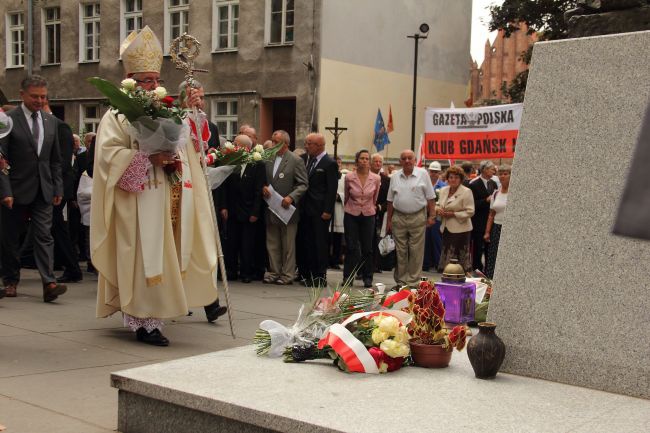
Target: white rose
160,92
394,349
402,335
257,156
128,83
259,148
228,145
378,336
389,324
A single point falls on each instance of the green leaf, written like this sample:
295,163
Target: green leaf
117,99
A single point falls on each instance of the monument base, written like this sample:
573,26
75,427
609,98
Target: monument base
234,390
569,297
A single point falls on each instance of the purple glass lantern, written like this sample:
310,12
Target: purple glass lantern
459,300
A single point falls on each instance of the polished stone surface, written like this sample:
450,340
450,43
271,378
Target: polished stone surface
267,393
571,300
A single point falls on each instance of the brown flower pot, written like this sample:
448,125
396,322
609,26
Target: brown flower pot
429,355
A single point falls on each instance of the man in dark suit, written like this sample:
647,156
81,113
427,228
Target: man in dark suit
287,175
240,205
80,163
482,188
64,250
33,186
316,211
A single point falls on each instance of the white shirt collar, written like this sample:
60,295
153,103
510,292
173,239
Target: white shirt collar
401,172
27,111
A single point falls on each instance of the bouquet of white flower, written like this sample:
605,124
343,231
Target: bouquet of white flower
156,119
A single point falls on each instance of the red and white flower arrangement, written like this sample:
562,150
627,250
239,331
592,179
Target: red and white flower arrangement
231,154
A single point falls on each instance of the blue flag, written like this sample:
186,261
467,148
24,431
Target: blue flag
381,136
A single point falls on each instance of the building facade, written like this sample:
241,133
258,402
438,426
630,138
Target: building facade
501,64
275,64
367,64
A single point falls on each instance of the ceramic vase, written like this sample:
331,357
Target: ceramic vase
486,351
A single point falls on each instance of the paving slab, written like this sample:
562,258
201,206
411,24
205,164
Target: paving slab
96,405
20,417
10,331
245,329
185,340
266,393
38,353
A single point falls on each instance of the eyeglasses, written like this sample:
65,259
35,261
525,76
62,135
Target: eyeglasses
151,81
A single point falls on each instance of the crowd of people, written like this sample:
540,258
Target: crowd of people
63,201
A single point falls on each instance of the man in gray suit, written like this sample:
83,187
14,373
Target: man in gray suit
32,187
288,177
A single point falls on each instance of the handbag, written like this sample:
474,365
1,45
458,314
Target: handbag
386,245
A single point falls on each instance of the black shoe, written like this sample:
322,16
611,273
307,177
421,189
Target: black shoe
155,337
52,291
246,280
214,311
74,278
91,269
367,283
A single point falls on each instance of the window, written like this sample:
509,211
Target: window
15,39
279,23
225,18
177,20
89,32
131,12
51,44
90,117
224,115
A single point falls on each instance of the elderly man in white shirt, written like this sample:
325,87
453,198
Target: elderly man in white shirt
411,209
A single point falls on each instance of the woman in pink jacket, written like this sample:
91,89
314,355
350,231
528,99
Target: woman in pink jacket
361,190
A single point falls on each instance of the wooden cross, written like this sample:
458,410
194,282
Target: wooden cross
336,130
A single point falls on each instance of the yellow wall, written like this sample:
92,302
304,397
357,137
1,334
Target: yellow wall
353,93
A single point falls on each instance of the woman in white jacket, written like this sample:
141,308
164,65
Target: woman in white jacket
455,207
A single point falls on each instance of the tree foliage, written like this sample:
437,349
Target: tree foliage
546,17
543,16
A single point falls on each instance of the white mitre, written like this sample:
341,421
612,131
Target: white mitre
141,52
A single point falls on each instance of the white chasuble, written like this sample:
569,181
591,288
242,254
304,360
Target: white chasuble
143,271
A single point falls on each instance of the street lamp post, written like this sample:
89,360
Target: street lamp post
424,28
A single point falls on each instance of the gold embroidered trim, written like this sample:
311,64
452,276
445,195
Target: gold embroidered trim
154,281
175,192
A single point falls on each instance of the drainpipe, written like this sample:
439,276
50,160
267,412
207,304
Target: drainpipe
30,36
